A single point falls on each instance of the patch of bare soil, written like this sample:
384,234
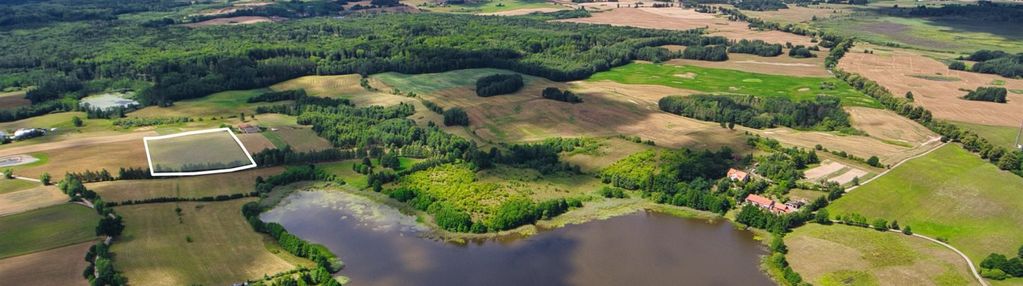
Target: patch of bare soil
687,19
889,125
241,20
12,100
60,266
899,71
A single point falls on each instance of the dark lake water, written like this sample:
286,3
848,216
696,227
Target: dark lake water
380,246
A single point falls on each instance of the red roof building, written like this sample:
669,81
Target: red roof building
760,201
736,175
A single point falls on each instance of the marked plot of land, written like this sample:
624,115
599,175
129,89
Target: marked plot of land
197,153
834,172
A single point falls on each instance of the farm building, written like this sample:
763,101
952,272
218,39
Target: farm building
248,128
736,175
769,204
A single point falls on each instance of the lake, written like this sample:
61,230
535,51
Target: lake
381,246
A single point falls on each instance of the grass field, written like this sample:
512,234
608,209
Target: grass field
226,103
1000,136
14,185
46,228
343,169
300,139
55,267
155,250
432,82
846,255
487,6
950,194
733,81
184,187
210,151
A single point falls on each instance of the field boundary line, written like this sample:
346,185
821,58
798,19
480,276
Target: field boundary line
895,166
149,156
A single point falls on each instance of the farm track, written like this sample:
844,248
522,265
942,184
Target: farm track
76,142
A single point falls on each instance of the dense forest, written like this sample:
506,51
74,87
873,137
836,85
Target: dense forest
760,5
559,95
1008,13
497,84
993,62
678,177
170,63
824,113
755,47
715,53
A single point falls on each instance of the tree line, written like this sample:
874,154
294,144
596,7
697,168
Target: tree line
823,113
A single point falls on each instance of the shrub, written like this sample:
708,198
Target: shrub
455,116
556,94
957,65
985,93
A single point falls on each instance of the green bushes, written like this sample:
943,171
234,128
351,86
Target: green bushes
998,62
824,113
957,65
997,266
511,213
755,47
612,192
653,54
498,84
556,94
986,93
715,53
800,52
456,116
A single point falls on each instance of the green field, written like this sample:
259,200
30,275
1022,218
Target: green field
46,228
945,35
431,82
204,151
226,103
343,169
1000,136
240,182
14,185
950,194
846,255
733,81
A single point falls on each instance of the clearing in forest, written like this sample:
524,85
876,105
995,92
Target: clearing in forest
949,194
197,153
900,71
846,255
12,100
204,244
733,81
46,228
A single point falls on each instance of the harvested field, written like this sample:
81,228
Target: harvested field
780,65
860,146
525,11
72,158
888,125
605,111
184,187
345,86
895,69
241,20
687,19
12,100
47,228
223,249
835,172
846,255
55,267
34,198
215,150
302,139
255,142
825,169
848,176
951,194
797,14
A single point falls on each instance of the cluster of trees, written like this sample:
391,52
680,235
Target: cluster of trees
319,276
755,47
823,113
760,5
715,53
293,244
90,176
456,116
288,156
679,177
999,267
286,9
275,96
131,122
542,156
22,112
985,11
654,54
800,52
217,198
521,211
498,84
993,62
101,267
612,192
194,167
988,93
291,175
433,106
559,95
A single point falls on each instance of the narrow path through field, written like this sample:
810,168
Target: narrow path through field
28,179
973,269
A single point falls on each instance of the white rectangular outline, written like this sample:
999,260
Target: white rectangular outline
149,157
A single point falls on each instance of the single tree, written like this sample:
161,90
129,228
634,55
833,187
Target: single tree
242,115
907,230
856,181
77,121
880,224
909,96
8,173
823,217
894,225
874,161
45,179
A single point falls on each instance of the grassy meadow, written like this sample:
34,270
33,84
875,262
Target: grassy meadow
1000,136
949,194
184,187
845,255
159,247
57,266
14,185
173,154
46,228
733,81
928,34
487,6
432,82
